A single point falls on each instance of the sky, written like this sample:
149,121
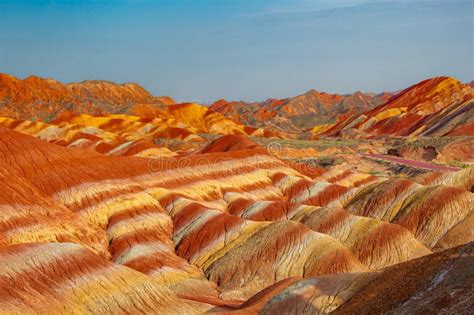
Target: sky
204,50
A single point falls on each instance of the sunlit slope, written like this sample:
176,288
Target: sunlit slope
440,106
214,227
440,282
40,98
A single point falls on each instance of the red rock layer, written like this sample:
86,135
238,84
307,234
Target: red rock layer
429,212
440,282
229,143
435,107
194,224
300,112
370,241
38,98
62,278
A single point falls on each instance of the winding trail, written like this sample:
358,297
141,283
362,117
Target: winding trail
412,163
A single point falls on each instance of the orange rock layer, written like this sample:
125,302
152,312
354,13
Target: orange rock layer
440,106
205,231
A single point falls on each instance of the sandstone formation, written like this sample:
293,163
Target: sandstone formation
166,208
196,229
300,112
437,283
39,98
440,106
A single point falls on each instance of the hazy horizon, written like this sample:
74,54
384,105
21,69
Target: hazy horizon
212,100
240,50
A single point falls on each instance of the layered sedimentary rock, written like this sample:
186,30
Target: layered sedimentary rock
128,135
196,118
36,98
437,283
127,203
371,241
462,179
440,106
39,98
122,202
205,230
442,282
423,210
300,112
121,224
280,250
29,215
138,141
65,278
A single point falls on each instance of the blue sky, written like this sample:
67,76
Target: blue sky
202,50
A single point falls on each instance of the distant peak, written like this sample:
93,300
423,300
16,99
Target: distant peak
220,102
8,77
312,92
439,80
107,82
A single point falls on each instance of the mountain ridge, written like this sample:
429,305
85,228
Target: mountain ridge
440,103
324,113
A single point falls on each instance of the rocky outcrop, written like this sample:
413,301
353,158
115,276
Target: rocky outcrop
39,98
297,113
436,283
202,231
63,277
440,106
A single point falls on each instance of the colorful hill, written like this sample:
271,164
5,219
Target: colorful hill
436,283
300,112
128,135
38,98
146,206
441,106
435,107
205,231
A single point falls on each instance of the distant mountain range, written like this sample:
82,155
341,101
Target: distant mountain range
39,98
299,112
437,106
440,106
115,201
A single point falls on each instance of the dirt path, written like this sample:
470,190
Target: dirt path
412,163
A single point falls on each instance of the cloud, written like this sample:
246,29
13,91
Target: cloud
276,8
289,7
